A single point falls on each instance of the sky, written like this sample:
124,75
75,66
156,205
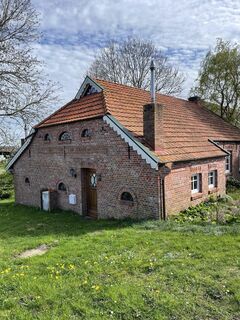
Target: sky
73,32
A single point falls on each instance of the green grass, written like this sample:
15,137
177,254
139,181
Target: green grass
116,270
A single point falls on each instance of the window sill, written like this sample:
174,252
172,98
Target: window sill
212,190
196,196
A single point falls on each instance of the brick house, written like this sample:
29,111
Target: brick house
113,153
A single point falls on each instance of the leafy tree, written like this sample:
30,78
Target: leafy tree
218,82
129,63
24,93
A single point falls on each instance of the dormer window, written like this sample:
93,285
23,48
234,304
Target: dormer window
89,90
86,133
65,136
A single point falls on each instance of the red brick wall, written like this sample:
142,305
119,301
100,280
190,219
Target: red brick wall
235,148
178,194
48,163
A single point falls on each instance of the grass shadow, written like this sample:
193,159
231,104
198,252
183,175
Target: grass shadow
19,220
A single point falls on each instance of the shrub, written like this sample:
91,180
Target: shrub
231,182
214,210
6,185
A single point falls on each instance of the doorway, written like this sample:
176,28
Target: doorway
90,192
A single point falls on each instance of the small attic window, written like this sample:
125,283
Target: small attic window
47,137
62,187
126,196
89,90
86,133
27,181
65,136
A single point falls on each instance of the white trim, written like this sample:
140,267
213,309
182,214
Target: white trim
87,81
228,162
212,185
137,146
19,152
196,190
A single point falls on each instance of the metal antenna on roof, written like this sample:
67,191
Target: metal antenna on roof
153,94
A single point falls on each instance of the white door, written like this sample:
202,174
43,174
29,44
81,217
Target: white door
45,200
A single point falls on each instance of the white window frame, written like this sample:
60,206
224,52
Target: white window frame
228,162
212,184
195,178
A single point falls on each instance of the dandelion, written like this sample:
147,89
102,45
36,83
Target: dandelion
71,267
85,282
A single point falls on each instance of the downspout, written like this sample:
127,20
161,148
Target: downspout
159,215
161,199
164,216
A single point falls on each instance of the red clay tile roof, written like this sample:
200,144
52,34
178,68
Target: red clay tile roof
187,126
87,107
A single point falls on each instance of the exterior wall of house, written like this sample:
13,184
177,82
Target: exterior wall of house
46,164
235,151
178,195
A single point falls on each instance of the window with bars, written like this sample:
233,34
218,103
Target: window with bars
65,136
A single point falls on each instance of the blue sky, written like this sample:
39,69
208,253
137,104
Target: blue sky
73,32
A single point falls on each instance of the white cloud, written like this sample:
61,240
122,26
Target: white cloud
185,30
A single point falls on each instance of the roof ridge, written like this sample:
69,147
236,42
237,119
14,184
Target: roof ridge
105,105
140,89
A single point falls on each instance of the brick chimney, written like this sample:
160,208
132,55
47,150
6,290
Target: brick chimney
153,118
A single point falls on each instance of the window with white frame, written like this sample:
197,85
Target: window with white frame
195,182
228,162
212,179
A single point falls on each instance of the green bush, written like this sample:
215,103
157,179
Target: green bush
223,210
6,185
231,182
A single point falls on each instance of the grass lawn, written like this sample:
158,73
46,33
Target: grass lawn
116,270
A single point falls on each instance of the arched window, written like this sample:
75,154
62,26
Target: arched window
86,133
62,187
126,196
65,136
47,137
27,180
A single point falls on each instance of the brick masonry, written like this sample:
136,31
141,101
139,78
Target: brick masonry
178,194
46,164
235,151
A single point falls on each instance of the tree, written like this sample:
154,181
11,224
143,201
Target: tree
218,82
24,93
129,63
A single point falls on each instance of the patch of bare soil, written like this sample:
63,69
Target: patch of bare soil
34,252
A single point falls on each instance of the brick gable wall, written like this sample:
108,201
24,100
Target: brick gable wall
121,169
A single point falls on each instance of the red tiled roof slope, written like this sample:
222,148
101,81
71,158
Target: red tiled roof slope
87,107
187,126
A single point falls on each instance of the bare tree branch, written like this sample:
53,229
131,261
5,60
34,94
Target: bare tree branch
25,95
128,63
